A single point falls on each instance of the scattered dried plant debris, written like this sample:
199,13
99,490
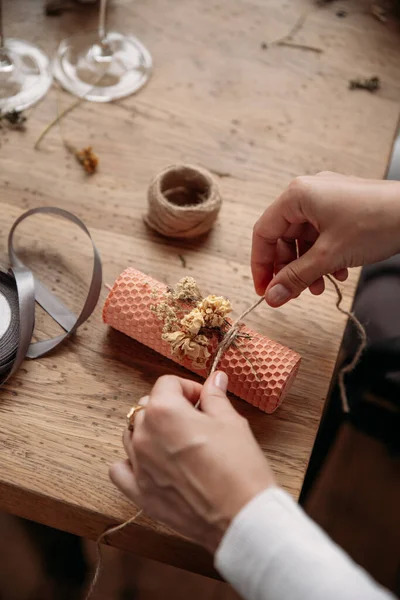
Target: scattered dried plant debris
88,159
14,118
384,9
379,12
371,84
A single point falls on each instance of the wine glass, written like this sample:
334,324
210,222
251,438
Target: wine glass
102,65
25,74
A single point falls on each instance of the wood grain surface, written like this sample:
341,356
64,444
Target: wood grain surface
256,117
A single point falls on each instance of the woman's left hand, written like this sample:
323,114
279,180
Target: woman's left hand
192,470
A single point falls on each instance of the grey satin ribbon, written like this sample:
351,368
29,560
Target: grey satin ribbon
30,290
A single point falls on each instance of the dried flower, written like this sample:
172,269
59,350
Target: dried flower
88,159
184,345
214,310
186,289
192,322
166,314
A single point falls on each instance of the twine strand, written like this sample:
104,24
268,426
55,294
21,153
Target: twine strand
229,337
232,333
360,349
99,556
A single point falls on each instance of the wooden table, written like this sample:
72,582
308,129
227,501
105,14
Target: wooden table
256,117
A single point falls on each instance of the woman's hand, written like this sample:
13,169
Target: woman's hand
192,470
323,224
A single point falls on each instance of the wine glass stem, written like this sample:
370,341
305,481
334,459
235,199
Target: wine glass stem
102,20
2,49
5,61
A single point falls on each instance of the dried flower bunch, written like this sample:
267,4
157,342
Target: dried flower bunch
188,330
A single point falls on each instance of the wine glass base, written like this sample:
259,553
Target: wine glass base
26,79
101,72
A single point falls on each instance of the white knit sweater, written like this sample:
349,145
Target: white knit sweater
274,551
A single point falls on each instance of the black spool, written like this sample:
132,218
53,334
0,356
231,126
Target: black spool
10,339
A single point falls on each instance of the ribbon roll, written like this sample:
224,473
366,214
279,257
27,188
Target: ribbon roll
9,322
19,290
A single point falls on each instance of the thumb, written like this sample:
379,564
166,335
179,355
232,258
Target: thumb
213,398
297,276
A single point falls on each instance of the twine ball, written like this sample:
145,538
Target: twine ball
183,202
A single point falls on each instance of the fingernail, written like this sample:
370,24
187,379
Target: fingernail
221,380
278,295
144,401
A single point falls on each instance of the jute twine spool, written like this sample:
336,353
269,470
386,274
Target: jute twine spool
183,202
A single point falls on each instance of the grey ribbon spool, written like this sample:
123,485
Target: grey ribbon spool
20,290
9,322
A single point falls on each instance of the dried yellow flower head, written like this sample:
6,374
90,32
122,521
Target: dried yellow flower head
192,322
184,345
214,310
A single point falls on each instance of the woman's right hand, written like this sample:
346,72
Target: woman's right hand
322,225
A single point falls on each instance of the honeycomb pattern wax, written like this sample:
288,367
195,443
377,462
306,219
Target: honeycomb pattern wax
263,383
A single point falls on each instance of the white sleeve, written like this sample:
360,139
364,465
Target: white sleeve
273,551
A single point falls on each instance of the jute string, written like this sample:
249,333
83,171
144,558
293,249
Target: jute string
183,202
229,337
360,349
99,555
226,342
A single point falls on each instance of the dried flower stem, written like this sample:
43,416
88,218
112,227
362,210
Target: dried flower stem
57,120
286,40
85,157
64,112
301,47
292,32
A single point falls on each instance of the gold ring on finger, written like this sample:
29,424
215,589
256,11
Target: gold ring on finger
131,416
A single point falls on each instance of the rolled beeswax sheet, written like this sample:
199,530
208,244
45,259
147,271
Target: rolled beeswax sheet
260,370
